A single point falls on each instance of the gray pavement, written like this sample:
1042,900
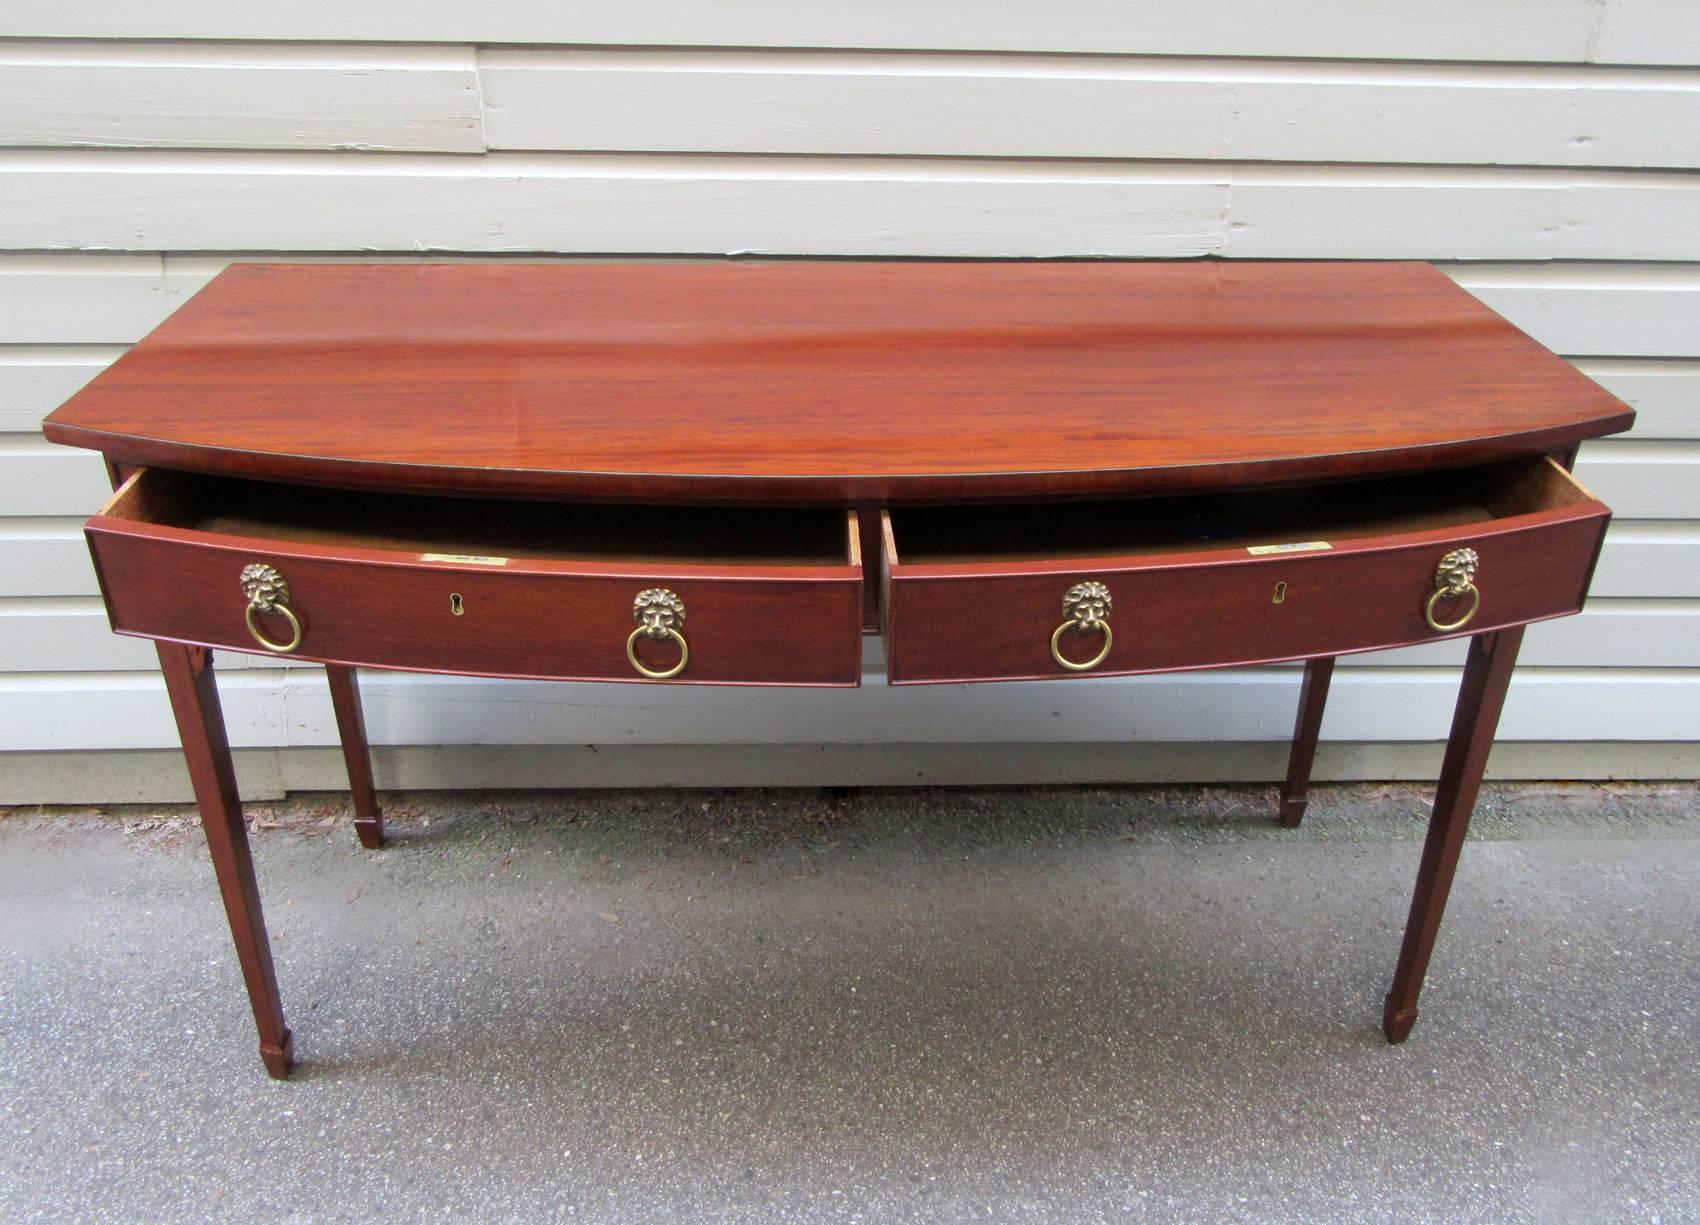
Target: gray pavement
1068,1004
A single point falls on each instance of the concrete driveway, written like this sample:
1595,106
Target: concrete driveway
1062,1004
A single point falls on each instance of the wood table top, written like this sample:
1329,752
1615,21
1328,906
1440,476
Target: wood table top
835,382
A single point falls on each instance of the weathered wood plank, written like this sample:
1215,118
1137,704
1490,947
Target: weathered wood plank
72,634
71,297
39,479
1643,480
1078,107
34,380
45,557
1596,310
1633,31
1644,558
1664,394
267,707
240,97
693,204
1608,633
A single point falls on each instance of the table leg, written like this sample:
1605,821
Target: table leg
1487,674
351,726
200,725
1313,697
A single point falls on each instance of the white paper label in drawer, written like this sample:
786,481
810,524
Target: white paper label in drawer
468,558
1303,546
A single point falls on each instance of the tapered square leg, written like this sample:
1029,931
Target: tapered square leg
351,727
1313,698
1487,675
200,725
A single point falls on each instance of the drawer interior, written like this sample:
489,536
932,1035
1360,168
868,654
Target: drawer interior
421,523
1386,506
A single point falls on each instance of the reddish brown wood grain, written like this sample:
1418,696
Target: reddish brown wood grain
356,754
838,382
1307,729
1481,698
206,750
561,620
992,620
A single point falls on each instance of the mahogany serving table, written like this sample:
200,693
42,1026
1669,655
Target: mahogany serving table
726,473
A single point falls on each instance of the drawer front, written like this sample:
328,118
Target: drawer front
967,623
767,625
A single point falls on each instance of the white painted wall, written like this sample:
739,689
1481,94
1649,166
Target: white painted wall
1547,152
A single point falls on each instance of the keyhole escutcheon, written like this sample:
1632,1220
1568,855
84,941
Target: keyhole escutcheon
456,605
1280,593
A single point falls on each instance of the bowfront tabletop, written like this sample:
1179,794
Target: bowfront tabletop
830,381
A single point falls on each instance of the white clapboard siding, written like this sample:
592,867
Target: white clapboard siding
190,201
36,379
237,96
1664,394
1649,558
1643,480
1619,31
1666,634
81,299
45,635
268,707
1622,310
72,635
45,557
1487,137
1097,106
1641,559
1596,310
37,478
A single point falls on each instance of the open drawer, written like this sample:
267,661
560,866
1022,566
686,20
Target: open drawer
1151,584
499,588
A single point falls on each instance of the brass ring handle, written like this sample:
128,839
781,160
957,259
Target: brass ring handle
1086,606
651,673
1071,624
1446,627
282,610
268,592
1454,578
658,612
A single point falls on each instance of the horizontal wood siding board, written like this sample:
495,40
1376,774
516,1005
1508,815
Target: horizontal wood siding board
1643,480
77,298
34,380
1224,128
1589,310
266,707
1597,311
73,635
37,479
691,204
243,97
1640,559
1664,395
45,557
43,635
1626,31
1643,558
1098,107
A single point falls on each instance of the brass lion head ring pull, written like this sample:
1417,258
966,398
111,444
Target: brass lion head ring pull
268,592
1454,579
659,613
1086,608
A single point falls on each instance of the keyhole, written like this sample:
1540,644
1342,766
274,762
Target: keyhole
456,605
1280,593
